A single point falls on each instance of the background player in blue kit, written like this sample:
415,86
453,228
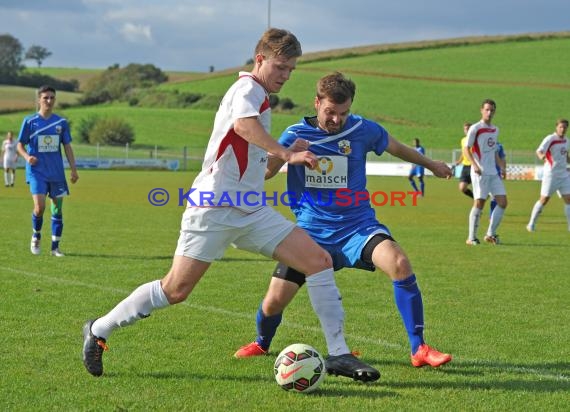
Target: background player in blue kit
417,170
41,136
352,235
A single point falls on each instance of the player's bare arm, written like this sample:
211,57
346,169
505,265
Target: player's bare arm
71,160
404,152
251,130
22,151
274,164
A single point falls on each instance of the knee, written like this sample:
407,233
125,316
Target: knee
39,210
273,304
174,293
402,267
319,261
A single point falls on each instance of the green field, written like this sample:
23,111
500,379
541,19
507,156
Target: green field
426,93
500,310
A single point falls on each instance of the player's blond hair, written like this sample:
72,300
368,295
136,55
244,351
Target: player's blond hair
278,42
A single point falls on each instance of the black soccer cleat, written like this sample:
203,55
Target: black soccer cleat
350,366
93,348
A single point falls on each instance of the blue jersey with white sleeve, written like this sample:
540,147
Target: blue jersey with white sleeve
332,200
43,139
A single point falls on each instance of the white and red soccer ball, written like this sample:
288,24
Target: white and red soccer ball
299,368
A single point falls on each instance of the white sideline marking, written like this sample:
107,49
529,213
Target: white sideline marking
226,313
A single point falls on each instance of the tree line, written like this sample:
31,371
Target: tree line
13,71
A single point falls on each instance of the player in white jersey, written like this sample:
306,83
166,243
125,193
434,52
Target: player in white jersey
553,150
235,161
10,156
482,152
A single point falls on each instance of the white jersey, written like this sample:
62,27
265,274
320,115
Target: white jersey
232,166
482,140
555,149
9,150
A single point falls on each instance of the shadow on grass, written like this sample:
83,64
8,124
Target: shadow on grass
149,257
492,375
340,386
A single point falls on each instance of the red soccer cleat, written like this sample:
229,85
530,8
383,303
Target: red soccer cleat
429,356
249,350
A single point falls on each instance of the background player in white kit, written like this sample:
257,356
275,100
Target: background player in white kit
10,156
482,152
553,150
235,160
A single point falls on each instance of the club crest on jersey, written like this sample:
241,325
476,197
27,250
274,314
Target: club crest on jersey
491,142
58,129
344,147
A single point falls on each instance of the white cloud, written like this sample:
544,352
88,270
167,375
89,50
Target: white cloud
136,33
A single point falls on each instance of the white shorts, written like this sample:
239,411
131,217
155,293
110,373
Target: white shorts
9,163
484,185
206,232
551,184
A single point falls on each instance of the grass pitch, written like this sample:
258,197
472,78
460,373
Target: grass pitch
500,310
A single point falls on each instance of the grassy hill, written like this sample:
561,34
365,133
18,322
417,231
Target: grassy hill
423,89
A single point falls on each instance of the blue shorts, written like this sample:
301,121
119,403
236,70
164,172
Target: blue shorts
52,189
347,252
417,171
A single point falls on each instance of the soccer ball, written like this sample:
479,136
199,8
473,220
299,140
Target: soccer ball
299,368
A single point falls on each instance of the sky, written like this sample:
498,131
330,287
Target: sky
192,35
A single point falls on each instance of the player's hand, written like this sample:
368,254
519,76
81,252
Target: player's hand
441,169
476,169
305,158
33,160
74,176
299,145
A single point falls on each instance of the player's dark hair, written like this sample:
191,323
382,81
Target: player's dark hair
565,121
489,101
336,87
44,89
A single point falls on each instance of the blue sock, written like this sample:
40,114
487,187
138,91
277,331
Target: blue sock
266,327
37,222
413,183
409,302
422,186
56,230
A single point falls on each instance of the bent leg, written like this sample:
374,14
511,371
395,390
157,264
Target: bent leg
174,288
299,251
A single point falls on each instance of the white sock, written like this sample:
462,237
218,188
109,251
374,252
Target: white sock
12,176
327,304
536,210
474,217
496,218
6,178
567,211
137,305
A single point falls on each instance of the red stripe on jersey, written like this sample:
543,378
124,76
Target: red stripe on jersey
265,105
240,147
476,149
485,130
549,153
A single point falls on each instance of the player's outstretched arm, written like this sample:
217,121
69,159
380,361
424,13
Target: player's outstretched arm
404,152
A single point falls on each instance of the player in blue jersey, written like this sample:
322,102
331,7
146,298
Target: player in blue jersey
39,143
417,170
347,229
